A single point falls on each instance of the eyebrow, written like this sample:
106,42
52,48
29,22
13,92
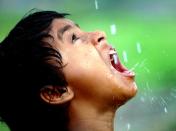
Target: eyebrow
64,29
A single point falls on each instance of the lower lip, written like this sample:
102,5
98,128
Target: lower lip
128,73
125,73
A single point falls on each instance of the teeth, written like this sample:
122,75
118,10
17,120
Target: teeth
112,52
115,58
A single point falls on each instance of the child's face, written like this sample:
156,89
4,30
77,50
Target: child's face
90,63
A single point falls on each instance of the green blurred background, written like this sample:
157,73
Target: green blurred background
144,34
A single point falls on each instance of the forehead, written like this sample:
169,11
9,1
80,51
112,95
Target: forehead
61,22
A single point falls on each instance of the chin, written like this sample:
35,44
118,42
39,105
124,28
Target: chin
123,91
131,90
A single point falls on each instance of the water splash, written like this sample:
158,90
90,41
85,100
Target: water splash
134,67
142,64
96,5
138,46
113,29
138,64
125,58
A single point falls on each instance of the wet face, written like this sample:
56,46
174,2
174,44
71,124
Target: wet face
93,70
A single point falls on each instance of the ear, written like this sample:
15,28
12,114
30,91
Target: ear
56,95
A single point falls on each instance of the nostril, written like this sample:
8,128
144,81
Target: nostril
101,38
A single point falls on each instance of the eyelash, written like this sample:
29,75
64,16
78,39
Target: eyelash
74,38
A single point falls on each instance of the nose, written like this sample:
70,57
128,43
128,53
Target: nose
98,37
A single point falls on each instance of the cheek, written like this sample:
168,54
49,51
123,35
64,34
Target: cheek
82,66
81,61
80,69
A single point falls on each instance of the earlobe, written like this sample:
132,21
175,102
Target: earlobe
56,94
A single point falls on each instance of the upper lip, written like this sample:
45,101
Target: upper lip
112,51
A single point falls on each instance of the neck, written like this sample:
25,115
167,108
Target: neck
86,118
92,124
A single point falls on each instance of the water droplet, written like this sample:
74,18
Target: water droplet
148,87
128,126
163,101
138,46
152,100
96,5
120,118
109,76
165,110
125,56
148,71
142,99
113,29
173,95
173,89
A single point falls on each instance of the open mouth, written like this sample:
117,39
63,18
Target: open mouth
116,64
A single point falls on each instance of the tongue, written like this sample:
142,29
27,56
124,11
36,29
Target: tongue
120,68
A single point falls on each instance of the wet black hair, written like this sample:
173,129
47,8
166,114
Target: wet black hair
24,70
